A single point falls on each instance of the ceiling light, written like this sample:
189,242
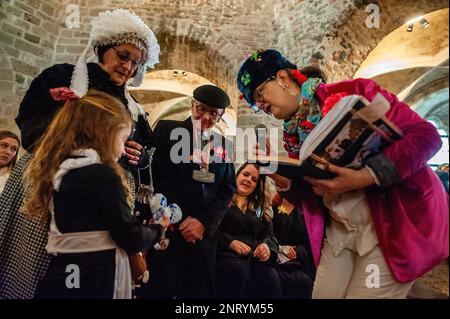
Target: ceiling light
410,27
412,21
424,23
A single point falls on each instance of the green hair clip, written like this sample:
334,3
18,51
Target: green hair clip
246,79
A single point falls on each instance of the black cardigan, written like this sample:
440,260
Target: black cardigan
38,108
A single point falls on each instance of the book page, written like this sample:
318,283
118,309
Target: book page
274,159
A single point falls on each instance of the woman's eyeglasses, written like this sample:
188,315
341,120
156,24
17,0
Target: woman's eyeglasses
258,93
124,57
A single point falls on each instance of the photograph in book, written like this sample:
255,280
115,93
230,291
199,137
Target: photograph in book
361,130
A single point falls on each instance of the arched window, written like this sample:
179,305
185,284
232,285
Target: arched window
441,156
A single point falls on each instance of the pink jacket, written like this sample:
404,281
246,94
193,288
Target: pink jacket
411,218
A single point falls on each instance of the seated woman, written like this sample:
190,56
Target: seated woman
247,250
295,263
9,150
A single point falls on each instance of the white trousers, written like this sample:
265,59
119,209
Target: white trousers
350,276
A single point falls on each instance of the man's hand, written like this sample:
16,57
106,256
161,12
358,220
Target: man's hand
192,230
262,252
133,151
240,248
347,179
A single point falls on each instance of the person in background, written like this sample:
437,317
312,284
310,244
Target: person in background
201,181
295,263
9,151
247,250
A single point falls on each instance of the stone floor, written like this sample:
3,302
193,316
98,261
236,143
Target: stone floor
434,285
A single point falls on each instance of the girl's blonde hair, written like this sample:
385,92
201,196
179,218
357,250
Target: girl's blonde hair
92,121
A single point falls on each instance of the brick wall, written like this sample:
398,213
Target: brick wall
207,37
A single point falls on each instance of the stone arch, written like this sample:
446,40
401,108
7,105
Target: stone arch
340,41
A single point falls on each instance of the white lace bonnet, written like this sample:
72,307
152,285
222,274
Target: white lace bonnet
115,27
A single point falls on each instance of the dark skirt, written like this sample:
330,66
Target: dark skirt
79,276
245,277
296,280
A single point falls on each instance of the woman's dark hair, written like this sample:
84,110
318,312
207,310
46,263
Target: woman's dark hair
260,198
5,134
314,72
101,50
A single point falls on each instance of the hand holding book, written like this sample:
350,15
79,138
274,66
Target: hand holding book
346,180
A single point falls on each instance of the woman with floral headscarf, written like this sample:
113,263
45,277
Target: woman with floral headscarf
388,221
120,47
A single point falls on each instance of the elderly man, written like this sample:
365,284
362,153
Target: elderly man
201,181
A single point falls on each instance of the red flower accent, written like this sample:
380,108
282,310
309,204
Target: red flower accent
293,139
63,94
331,101
300,77
220,152
241,97
307,125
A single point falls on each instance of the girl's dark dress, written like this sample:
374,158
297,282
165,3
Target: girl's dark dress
92,198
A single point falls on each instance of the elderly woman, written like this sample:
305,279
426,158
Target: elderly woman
9,150
120,47
388,221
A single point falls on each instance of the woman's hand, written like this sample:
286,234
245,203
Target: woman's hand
262,252
291,253
347,179
240,248
133,151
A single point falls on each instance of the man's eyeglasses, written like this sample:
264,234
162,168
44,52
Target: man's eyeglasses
201,110
124,57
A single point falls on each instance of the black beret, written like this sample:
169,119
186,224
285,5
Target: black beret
212,96
258,68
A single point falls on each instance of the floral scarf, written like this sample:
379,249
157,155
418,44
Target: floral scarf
297,129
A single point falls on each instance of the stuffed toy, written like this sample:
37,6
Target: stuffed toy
159,209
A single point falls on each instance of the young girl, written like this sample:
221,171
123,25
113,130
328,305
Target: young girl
9,150
74,174
388,219
247,250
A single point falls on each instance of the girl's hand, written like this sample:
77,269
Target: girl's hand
240,248
262,252
165,222
347,179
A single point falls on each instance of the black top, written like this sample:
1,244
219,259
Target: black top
290,229
204,201
208,202
92,198
38,108
247,228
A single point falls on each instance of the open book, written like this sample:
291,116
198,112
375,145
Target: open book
353,129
